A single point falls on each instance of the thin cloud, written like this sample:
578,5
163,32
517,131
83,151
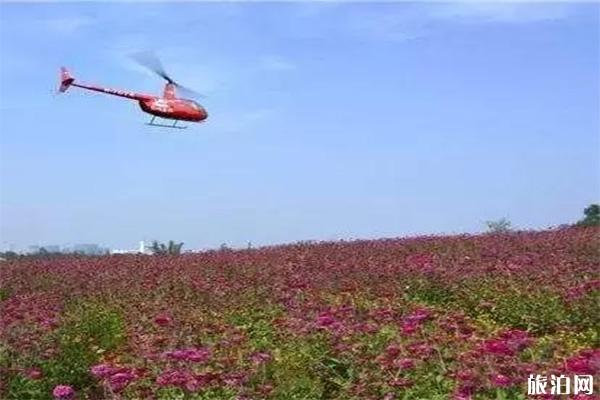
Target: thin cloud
241,121
66,25
508,12
276,63
402,21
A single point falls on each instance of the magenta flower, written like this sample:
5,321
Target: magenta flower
63,392
191,354
515,339
120,380
198,355
408,328
578,365
464,375
586,363
400,382
500,380
163,320
174,378
464,392
260,358
325,319
405,363
392,351
102,371
497,347
34,373
235,379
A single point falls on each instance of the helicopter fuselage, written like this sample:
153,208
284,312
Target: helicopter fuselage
180,109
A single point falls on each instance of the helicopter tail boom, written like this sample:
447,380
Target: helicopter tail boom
66,81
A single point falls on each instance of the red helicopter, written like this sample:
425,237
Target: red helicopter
169,106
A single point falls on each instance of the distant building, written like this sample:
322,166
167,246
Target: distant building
52,248
89,249
142,249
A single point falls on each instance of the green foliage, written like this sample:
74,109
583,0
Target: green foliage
508,304
4,294
171,248
298,371
502,225
87,330
432,291
584,312
208,394
9,255
592,216
257,323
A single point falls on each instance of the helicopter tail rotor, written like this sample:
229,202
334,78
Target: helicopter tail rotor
65,80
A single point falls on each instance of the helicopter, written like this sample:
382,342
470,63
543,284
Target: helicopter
167,106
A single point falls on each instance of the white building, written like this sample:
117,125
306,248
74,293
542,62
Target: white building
142,249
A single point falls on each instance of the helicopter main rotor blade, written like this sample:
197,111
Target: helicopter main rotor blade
151,61
187,92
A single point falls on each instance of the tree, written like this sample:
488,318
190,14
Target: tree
171,248
502,225
592,216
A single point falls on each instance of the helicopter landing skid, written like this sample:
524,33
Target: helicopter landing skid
151,123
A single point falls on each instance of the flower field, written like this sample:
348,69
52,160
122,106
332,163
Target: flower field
457,317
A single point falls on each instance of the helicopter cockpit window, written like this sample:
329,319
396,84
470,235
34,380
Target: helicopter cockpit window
194,104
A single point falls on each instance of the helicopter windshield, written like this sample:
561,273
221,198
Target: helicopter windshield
194,104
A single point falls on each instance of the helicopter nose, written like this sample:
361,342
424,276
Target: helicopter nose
203,114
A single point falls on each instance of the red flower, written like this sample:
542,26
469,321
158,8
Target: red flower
497,347
405,363
192,354
34,373
500,380
163,320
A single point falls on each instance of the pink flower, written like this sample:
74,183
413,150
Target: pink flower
408,328
34,373
198,355
120,380
515,339
235,379
464,392
578,365
63,392
587,362
400,382
464,375
405,363
191,354
392,351
102,371
173,378
325,320
421,349
497,347
500,380
419,315
163,319
260,358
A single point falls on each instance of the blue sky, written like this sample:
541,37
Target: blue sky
326,121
